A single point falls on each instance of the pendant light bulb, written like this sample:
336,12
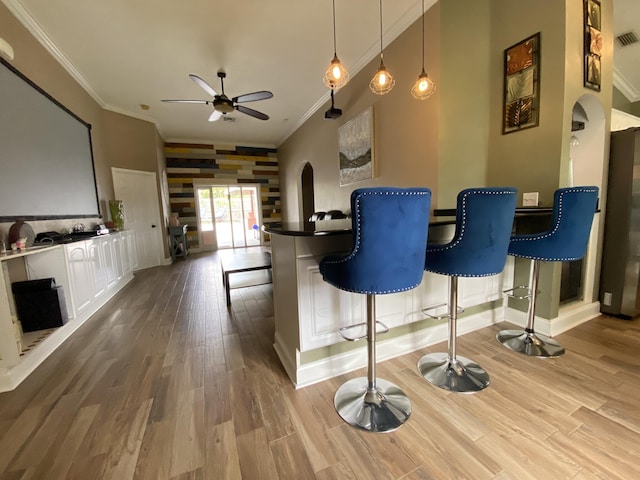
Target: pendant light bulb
336,76
382,82
424,86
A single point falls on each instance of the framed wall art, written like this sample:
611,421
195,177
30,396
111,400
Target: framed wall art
355,146
521,85
592,44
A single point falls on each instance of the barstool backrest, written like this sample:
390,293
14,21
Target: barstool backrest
390,227
567,239
484,220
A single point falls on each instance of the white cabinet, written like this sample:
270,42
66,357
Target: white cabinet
95,266
80,277
90,271
108,257
118,260
132,249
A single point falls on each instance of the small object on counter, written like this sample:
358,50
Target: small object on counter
14,247
116,208
21,230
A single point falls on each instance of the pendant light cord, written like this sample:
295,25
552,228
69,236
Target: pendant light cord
335,50
423,35
380,31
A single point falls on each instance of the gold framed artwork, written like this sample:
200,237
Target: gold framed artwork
355,147
592,44
521,85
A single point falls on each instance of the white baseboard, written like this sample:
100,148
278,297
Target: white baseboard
314,372
569,316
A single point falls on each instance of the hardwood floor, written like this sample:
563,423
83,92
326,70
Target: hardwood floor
164,383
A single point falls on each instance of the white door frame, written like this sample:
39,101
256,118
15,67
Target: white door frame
149,243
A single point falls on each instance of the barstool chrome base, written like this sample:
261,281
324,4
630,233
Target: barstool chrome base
460,375
530,343
384,409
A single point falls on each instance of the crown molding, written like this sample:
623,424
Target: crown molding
399,26
23,15
625,87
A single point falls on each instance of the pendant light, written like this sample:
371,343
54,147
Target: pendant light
336,75
382,82
424,86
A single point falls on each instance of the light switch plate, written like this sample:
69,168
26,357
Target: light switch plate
530,199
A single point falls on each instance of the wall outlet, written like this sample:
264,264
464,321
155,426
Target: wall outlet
607,298
530,199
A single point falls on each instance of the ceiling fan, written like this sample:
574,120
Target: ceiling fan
223,104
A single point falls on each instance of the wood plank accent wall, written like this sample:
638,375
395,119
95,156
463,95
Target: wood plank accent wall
224,165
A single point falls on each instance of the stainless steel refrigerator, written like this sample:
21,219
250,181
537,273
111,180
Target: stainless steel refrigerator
620,273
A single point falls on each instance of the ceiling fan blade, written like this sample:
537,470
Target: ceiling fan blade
252,97
204,102
205,86
215,115
252,113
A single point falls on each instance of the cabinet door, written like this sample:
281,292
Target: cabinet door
95,257
109,261
116,248
324,309
132,249
80,276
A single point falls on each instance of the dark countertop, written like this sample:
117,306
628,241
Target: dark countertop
309,229
322,227
520,211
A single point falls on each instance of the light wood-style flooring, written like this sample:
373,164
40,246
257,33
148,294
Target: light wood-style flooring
165,383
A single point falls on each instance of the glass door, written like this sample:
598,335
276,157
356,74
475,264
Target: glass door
228,216
206,226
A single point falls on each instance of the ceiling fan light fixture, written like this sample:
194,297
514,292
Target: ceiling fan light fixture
424,87
223,105
336,76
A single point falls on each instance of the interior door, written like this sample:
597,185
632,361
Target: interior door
138,191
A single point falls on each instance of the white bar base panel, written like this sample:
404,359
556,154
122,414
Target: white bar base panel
303,375
569,316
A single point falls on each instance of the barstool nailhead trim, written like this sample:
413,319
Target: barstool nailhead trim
357,245
552,231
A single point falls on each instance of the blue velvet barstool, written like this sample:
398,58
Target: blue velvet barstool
566,240
390,235
484,220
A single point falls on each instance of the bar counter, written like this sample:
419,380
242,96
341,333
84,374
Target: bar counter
308,312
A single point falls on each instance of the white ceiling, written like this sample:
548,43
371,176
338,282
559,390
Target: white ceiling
131,52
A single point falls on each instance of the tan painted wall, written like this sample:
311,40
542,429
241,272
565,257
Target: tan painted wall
528,159
406,130
465,78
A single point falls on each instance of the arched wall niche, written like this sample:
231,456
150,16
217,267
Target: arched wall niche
587,153
306,194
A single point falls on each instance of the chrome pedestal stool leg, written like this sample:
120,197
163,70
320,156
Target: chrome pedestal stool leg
371,404
528,342
447,370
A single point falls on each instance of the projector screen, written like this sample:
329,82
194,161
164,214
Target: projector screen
46,160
